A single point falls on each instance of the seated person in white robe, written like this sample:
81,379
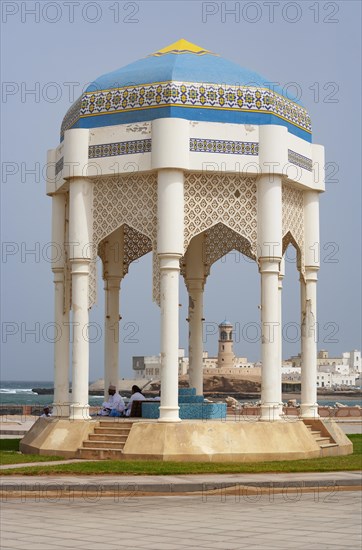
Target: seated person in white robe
137,395
46,412
114,406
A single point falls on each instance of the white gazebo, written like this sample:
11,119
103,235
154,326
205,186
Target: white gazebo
188,156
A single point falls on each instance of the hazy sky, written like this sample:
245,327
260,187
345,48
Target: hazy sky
51,50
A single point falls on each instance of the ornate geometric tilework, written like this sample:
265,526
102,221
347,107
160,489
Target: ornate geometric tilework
229,199
71,117
226,98
198,145
300,160
120,148
59,166
293,221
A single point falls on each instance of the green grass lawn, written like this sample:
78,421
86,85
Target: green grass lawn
138,467
10,454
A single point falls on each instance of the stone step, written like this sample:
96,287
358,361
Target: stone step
100,454
108,437
98,444
115,423
329,449
112,431
321,440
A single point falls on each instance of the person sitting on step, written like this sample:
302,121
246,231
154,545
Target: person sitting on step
114,406
137,395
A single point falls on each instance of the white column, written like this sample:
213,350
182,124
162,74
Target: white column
112,275
280,293
195,280
61,312
170,249
61,349
309,406
273,157
270,252
196,295
80,232
111,333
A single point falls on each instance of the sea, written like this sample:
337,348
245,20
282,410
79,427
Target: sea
21,393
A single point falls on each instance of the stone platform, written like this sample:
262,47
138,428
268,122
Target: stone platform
189,440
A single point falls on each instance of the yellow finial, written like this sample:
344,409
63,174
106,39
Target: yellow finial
180,47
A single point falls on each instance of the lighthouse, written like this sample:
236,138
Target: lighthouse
226,353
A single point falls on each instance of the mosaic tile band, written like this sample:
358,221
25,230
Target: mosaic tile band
225,98
198,145
300,160
121,148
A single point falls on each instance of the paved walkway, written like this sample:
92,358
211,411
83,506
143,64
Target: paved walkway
325,521
171,484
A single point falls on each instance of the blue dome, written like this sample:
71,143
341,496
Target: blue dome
186,81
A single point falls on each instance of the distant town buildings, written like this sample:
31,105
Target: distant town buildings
332,372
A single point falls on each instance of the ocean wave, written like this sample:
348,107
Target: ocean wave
17,390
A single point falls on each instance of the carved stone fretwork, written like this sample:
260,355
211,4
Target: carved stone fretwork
229,199
92,285
125,200
130,200
135,245
293,222
220,240
156,277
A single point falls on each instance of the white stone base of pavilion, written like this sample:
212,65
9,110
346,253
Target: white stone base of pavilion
193,440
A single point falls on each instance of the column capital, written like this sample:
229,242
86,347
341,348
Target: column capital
311,273
80,266
169,261
195,284
269,265
112,282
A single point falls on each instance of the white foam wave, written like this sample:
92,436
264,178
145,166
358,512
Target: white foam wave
16,390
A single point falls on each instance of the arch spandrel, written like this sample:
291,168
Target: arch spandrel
293,221
135,245
288,239
229,199
227,202
220,240
125,200
130,200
